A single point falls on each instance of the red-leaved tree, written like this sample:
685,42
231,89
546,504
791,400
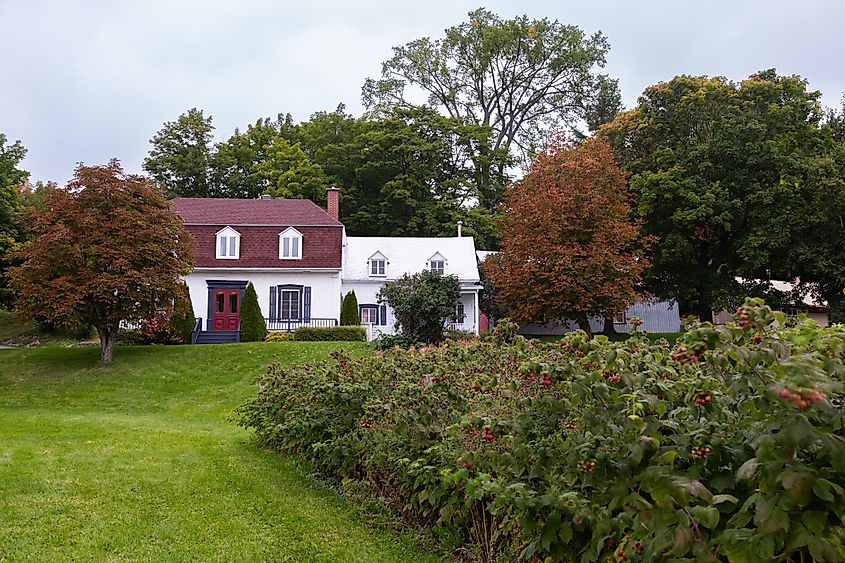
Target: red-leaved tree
107,248
569,247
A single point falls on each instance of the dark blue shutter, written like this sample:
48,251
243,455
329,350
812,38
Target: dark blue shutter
273,315
307,307
382,315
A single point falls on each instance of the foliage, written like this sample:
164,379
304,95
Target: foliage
422,303
330,333
238,165
11,177
107,249
253,326
569,247
159,329
349,310
818,255
180,157
107,431
726,447
415,175
523,78
128,336
291,174
183,315
722,173
279,336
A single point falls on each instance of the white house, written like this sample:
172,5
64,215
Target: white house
370,262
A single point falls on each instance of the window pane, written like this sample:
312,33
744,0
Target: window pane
285,247
233,302
368,315
290,304
294,253
232,246
220,299
222,246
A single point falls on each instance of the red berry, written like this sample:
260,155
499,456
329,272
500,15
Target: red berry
802,403
614,378
785,393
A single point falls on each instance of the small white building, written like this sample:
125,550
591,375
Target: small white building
370,262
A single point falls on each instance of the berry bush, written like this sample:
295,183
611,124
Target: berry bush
727,446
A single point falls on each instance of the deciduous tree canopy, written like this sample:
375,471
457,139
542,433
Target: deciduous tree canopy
523,78
11,177
569,247
721,173
106,249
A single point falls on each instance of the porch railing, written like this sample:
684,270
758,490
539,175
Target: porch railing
468,327
290,325
196,332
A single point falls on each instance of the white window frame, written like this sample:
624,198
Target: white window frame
460,313
620,318
290,235
441,269
231,240
378,267
372,314
282,301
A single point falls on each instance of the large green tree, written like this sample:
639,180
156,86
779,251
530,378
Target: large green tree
11,177
818,252
106,249
181,156
523,78
720,173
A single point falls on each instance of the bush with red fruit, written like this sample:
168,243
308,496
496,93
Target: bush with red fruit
718,449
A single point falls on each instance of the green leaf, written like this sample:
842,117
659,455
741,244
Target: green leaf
814,520
717,499
747,469
683,540
707,516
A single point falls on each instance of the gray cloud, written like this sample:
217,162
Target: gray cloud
91,80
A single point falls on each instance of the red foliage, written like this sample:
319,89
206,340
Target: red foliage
569,246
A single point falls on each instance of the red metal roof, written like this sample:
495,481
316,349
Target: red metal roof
218,211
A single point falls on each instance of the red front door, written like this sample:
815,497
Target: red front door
227,309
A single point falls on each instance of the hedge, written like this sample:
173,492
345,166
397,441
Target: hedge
726,446
278,336
344,333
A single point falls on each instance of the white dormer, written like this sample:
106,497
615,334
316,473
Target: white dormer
377,265
228,244
437,263
290,244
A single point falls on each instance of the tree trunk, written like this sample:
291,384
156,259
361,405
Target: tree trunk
609,329
704,312
584,324
108,335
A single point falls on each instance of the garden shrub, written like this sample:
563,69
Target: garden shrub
328,333
158,329
253,327
278,336
349,310
422,303
727,446
128,336
183,315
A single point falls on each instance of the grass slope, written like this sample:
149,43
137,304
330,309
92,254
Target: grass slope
139,460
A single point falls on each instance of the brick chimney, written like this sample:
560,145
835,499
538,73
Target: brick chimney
333,202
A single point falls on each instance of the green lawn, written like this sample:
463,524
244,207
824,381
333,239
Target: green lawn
139,460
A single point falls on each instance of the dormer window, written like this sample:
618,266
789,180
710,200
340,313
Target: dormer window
290,244
228,244
378,265
437,263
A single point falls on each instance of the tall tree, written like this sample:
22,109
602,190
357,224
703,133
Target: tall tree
289,172
237,162
719,173
180,157
414,176
569,247
106,249
11,177
818,250
523,78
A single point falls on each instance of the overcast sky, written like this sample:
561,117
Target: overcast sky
92,80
